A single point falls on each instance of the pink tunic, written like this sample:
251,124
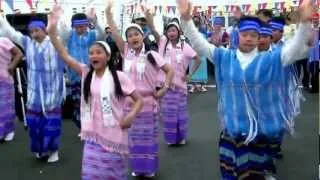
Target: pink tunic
179,58
5,59
113,139
145,82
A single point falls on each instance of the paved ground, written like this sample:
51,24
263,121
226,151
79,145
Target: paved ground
198,160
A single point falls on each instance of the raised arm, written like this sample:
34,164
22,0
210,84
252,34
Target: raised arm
114,30
99,30
199,43
298,46
53,19
6,30
149,18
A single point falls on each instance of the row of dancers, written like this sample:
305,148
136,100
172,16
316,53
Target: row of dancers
257,95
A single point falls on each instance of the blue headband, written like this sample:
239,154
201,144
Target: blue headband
217,21
36,24
246,25
80,22
265,31
276,25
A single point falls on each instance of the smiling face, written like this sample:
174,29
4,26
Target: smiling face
172,33
98,56
248,40
134,38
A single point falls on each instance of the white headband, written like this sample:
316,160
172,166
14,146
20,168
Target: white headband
133,25
174,24
105,45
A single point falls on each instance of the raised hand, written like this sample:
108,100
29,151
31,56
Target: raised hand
306,10
91,14
184,7
53,18
149,16
109,5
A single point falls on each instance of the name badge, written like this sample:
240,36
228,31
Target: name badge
108,119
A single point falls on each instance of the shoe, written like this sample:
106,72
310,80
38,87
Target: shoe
150,175
203,89
134,174
37,155
9,137
191,90
54,157
183,142
269,177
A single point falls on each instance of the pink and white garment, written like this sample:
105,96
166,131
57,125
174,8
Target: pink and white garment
106,144
174,105
143,135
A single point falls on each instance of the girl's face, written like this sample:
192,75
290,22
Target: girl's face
248,40
172,33
134,38
98,57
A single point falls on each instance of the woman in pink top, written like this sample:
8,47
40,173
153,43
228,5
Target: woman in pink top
103,120
142,66
10,56
174,105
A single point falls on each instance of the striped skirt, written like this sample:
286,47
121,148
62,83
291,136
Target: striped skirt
99,164
143,143
76,97
239,161
7,106
44,131
174,112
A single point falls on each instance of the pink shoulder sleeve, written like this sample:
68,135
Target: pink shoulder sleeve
158,58
126,84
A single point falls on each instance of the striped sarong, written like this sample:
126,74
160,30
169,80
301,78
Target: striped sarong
76,97
99,164
7,115
44,131
174,112
143,143
239,161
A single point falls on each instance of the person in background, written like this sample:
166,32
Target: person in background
78,39
265,15
233,30
9,59
314,54
200,78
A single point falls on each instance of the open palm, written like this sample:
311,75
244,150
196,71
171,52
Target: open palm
54,17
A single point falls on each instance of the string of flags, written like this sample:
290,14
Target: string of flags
166,9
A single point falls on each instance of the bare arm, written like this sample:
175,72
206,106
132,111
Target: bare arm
114,30
16,58
149,18
137,105
52,31
196,65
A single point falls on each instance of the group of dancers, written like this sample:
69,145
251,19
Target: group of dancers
117,110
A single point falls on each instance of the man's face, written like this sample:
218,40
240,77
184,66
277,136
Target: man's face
107,31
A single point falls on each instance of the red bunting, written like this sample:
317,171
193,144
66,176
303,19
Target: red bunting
29,3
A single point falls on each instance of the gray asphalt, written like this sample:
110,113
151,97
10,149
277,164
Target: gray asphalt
198,160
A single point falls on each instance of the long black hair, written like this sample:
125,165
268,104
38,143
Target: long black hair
166,34
87,82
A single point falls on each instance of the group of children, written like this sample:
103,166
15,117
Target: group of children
118,110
